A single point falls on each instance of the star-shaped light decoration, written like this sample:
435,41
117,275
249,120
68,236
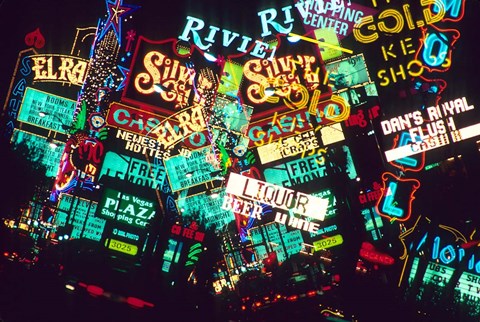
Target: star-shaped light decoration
116,10
124,72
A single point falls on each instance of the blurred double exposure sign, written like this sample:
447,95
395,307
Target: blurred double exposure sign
166,77
296,145
298,80
277,196
348,73
284,243
40,150
191,169
133,170
80,213
206,211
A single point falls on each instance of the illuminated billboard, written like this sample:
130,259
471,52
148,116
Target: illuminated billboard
132,170
206,210
277,196
80,214
46,110
191,170
125,208
430,128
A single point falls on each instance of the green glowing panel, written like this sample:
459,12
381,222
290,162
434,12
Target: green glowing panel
58,110
191,169
134,171
348,72
332,202
122,247
206,210
275,237
328,242
231,79
328,36
467,285
40,151
79,213
231,114
125,208
435,273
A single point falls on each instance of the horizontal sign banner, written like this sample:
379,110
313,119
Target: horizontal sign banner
277,196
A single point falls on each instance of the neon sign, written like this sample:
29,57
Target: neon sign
369,253
400,18
431,133
121,246
59,68
57,111
166,81
133,170
190,232
276,196
397,197
125,208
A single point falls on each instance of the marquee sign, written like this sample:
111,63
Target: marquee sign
125,208
185,172
59,68
80,213
277,196
165,81
429,129
57,111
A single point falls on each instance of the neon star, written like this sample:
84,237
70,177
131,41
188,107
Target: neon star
116,10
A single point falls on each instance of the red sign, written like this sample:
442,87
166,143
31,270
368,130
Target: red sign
369,253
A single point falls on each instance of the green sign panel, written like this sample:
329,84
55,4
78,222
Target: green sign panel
40,151
80,213
57,111
206,210
121,247
190,169
132,170
126,209
275,237
328,242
